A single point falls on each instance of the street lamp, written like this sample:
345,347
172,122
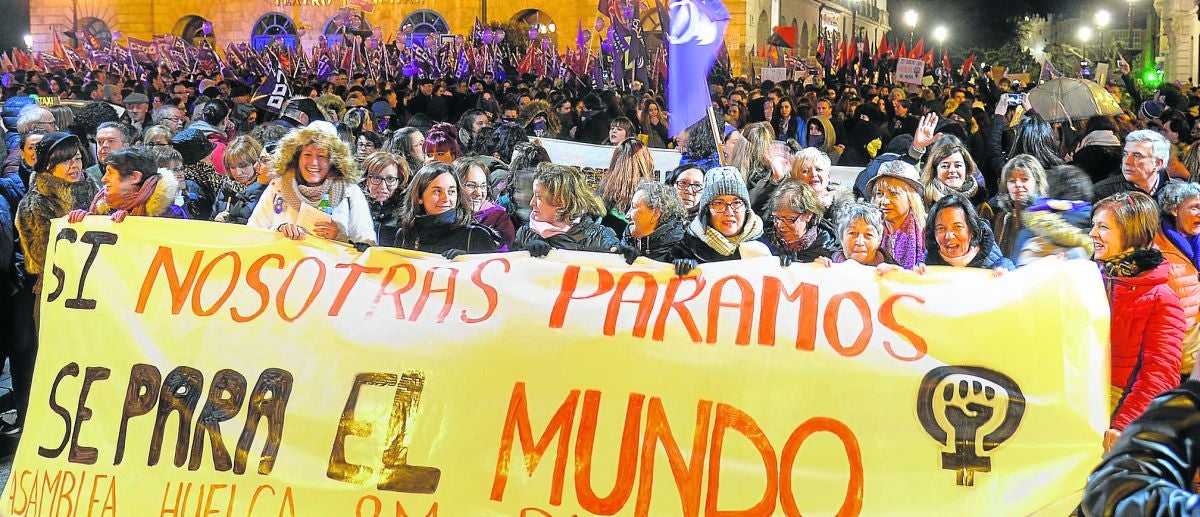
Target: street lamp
1084,34
28,41
1102,19
940,33
1129,28
910,19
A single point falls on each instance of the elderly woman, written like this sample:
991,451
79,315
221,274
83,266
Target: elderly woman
386,173
812,166
312,167
1145,351
656,221
726,228
1022,184
798,231
1178,238
133,185
472,172
895,189
956,236
435,218
241,166
565,214
688,181
949,169
630,165
860,233
157,135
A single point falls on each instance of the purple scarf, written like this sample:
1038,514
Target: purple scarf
1189,246
906,244
486,209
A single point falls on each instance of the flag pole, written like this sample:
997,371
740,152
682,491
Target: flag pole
712,122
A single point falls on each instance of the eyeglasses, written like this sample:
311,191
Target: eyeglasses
391,182
694,188
471,185
721,206
792,220
155,144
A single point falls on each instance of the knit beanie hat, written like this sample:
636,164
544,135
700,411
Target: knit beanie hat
193,145
1153,109
724,181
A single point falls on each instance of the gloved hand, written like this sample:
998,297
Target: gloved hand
453,253
361,246
538,248
684,266
630,253
786,259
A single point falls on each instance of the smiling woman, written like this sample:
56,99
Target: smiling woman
437,217
1178,238
950,170
956,236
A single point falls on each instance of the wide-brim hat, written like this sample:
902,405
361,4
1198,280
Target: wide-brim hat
900,170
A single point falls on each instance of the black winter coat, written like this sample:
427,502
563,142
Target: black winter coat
823,246
1149,470
694,248
386,217
438,233
989,256
657,245
244,203
586,235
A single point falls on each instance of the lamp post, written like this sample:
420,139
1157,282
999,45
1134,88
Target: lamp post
939,34
1083,34
28,39
910,19
1102,19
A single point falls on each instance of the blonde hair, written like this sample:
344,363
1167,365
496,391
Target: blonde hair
380,160
565,186
1136,215
1029,165
242,151
898,187
808,157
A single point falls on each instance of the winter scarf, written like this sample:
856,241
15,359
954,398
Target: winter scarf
548,230
1189,246
800,244
311,194
133,202
905,244
726,246
1132,263
880,258
967,190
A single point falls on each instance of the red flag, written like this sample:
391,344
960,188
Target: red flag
903,52
928,60
945,62
967,65
883,49
918,49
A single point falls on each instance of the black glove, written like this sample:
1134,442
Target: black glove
452,253
684,266
361,246
630,253
786,259
537,248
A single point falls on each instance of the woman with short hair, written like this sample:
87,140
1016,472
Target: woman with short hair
436,218
1148,322
441,144
949,169
565,214
1178,238
133,185
688,181
798,232
956,236
656,220
157,135
860,233
386,174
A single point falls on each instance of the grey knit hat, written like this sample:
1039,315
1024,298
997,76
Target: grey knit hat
724,181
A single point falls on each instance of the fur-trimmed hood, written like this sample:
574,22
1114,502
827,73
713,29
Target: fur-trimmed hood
341,160
159,203
540,107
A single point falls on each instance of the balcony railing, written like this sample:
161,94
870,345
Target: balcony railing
864,10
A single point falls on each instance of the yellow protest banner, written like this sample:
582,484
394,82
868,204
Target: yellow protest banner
191,368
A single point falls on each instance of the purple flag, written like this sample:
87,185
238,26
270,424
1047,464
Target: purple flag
274,92
697,32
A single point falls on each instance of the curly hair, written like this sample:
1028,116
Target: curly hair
565,186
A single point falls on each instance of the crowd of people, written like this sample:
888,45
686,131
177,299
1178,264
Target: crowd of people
959,176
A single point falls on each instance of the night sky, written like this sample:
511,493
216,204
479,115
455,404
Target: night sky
978,23
14,24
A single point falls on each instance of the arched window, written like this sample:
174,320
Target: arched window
346,21
539,20
97,28
191,29
271,26
425,22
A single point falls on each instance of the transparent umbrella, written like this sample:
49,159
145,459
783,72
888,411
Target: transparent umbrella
1067,98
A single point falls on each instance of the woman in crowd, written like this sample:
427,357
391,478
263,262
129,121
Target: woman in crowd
244,202
688,181
820,133
654,124
812,166
386,174
202,184
1178,238
785,122
312,166
895,189
1022,184
798,231
1145,351
630,165
472,174
726,228
949,169
409,144
565,214
860,232
697,147
242,157
1060,222
28,146
435,218
133,185
367,143
157,135
620,129
956,236
441,144
754,158
656,221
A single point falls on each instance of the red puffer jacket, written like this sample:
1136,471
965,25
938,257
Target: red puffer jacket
1146,329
